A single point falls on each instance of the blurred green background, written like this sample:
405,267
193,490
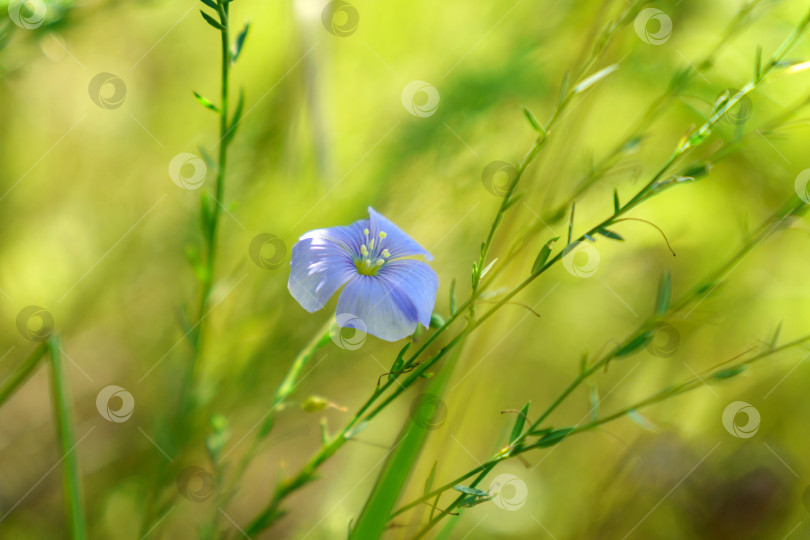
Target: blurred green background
94,230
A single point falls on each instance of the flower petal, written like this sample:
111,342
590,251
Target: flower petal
319,267
382,309
349,237
397,242
415,280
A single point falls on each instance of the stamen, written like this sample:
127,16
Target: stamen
383,234
364,250
371,244
386,253
365,231
380,262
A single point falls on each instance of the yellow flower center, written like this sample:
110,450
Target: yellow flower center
371,259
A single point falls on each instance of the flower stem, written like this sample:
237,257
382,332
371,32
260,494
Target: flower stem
213,225
16,379
64,424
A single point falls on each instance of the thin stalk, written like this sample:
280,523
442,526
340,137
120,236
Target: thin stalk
64,428
213,226
792,208
185,402
284,390
16,379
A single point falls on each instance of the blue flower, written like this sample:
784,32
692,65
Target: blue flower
386,291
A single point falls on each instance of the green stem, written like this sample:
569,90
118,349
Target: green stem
16,379
284,390
64,424
213,225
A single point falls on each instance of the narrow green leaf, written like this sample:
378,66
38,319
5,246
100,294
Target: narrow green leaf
571,222
325,439
553,437
396,470
595,78
544,254
610,234
514,200
65,430
206,212
664,294
210,3
533,121
616,205
520,422
212,21
775,338
399,362
453,296
634,345
237,116
564,86
430,478
729,372
471,491
14,381
641,420
355,430
472,500
594,399
240,42
206,103
209,161
758,64
488,267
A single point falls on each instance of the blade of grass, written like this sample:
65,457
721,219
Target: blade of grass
398,467
13,383
64,429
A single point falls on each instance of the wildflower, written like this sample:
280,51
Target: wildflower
386,291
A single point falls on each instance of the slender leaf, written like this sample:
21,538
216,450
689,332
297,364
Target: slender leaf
553,437
533,121
431,477
633,345
520,422
240,42
595,78
610,234
664,295
399,362
206,103
212,21
616,205
544,254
